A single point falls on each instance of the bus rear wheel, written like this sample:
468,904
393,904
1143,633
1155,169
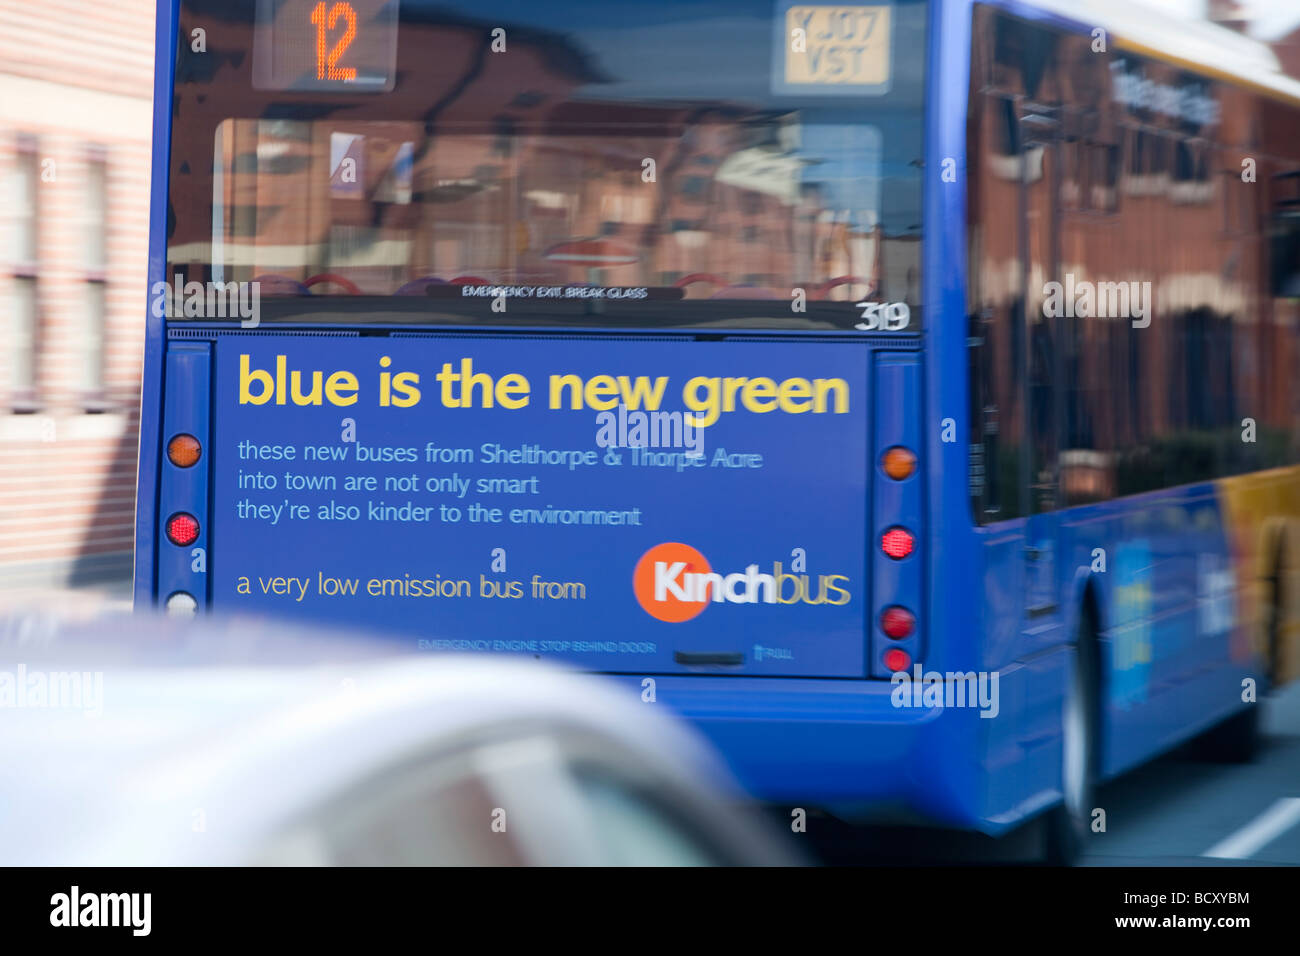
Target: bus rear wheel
1066,826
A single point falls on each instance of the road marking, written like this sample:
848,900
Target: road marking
1264,829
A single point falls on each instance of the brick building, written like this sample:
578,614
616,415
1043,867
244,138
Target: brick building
76,84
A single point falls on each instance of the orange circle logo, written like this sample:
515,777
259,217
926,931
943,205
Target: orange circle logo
665,585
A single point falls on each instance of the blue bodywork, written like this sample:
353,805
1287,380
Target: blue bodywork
836,739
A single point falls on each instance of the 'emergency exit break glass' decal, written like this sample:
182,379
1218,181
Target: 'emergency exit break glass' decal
830,49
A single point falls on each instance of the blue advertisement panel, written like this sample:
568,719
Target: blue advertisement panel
643,506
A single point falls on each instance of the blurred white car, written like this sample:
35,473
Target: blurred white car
142,741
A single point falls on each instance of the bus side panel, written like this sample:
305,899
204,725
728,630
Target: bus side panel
1167,585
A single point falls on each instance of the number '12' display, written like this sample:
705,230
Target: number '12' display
345,45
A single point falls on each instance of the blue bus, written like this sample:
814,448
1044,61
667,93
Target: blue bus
904,392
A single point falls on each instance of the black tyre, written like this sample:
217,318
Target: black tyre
1067,825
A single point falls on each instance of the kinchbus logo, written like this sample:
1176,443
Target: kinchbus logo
208,300
674,583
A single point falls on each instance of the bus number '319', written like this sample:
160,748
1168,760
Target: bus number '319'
883,316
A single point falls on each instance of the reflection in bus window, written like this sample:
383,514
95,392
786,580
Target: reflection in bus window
781,205
585,155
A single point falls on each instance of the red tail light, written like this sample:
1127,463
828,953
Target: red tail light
897,622
897,660
897,543
182,529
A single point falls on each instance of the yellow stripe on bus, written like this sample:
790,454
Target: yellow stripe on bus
1261,516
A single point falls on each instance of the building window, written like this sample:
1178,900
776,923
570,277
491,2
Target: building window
95,309
24,180
96,211
91,372
22,368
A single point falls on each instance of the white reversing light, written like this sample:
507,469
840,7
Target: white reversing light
181,604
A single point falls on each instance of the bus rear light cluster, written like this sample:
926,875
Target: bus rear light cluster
183,450
897,622
181,446
897,543
182,529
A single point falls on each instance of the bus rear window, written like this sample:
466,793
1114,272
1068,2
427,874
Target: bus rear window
568,163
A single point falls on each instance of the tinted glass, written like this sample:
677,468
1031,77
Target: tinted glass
1158,351
670,164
